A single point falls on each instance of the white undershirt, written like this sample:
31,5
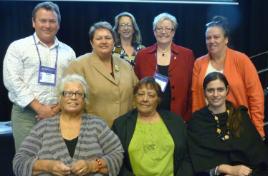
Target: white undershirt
211,69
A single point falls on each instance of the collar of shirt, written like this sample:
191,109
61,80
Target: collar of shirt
38,41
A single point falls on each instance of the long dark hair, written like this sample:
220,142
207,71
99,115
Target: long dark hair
234,115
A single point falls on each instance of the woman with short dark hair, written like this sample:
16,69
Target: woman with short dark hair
154,140
111,80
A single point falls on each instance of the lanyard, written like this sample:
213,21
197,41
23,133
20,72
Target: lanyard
40,63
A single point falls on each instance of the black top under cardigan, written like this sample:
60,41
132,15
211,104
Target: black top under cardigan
124,127
207,150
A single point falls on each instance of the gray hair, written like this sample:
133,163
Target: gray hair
100,25
136,39
48,6
74,78
165,16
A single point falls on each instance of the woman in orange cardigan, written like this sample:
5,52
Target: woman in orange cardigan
245,87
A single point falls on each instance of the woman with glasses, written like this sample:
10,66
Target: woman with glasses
170,64
72,142
222,139
127,37
111,80
244,85
154,140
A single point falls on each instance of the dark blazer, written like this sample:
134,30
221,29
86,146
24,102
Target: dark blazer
124,127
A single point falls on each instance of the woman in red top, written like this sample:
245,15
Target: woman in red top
245,87
170,64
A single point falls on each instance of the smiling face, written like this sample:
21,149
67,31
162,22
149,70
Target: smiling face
164,32
103,42
215,40
215,93
146,100
46,25
125,28
72,100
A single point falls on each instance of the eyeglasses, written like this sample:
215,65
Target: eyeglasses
124,25
167,30
70,94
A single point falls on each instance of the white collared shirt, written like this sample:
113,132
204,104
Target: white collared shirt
21,67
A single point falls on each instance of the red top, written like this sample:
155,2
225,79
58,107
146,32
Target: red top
179,74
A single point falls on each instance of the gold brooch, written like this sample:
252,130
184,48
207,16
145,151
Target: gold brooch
116,68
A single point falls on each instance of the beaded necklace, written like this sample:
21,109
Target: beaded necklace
222,130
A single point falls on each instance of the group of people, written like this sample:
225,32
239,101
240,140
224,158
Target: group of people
124,109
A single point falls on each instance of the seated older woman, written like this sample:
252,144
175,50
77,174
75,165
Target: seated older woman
222,139
154,141
71,142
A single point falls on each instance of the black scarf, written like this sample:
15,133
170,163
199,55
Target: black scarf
207,150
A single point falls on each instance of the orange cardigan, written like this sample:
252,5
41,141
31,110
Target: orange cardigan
244,85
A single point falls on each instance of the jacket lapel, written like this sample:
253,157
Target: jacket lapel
116,70
173,57
81,138
131,124
98,65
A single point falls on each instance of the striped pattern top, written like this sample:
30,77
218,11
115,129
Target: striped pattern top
45,142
